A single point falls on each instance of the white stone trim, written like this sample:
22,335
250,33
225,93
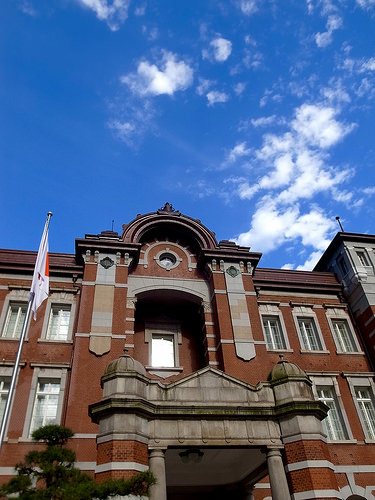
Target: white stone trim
7,471
307,495
167,249
261,486
305,437
307,464
83,436
343,469
85,465
120,466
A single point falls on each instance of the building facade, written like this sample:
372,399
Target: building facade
162,348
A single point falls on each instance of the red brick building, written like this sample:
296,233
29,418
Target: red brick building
229,369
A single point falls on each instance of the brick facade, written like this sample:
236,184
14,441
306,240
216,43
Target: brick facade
228,321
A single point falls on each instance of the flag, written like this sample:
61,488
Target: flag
40,283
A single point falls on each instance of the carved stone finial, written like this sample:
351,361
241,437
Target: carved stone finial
168,208
281,356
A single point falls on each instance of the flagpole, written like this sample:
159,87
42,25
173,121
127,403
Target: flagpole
13,380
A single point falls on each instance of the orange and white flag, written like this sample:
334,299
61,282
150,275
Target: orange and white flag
40,283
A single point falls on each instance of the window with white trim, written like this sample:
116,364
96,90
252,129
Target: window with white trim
275,338
309,338
343,336
163,350
366,406
59,320
163,339
59,317
14,320
45,404
4,391
46,397
362,258
333,424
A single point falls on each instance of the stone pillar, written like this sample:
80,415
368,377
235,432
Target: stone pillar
279,485
157,466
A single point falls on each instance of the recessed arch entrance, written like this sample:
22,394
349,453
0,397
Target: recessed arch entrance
168,331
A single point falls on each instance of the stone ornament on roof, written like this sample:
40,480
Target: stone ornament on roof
168,208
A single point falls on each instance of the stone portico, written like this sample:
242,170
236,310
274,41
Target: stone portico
207,434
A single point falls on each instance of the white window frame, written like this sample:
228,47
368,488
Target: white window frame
5,375
305,312
44,373
273,311
13,297
358,382
362,257
336,314
331,382
169,329
58,299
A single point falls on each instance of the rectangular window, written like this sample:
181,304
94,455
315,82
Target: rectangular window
58,325
4,391
343,336
46,403
14,320
333,423
362,259
274,336
365,404
162,350
309,334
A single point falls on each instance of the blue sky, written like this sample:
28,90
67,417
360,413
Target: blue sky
255,116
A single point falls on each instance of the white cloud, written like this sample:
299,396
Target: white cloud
27,8
238,151
263,121
248,7
203,86
220,50
172,76
318,127
311,262
112,12
296,165
335,93
151,33
239,88
215,96
140,10
272,226
124,130
368,65
366,4
334,22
